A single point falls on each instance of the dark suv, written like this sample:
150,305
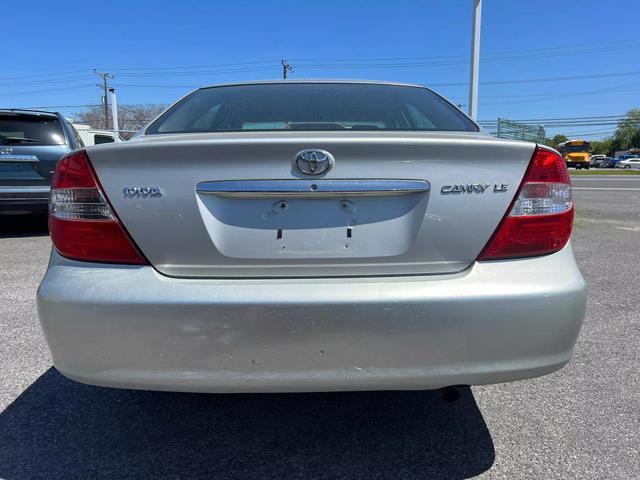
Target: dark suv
31,143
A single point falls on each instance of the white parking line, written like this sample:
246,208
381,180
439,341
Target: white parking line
605,177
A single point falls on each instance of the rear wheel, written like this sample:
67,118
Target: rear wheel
627,167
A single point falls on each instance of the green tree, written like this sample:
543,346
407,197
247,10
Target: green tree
555,141
601,146
627,134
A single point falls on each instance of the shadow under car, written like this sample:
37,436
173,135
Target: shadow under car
61,429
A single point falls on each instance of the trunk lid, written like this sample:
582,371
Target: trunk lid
26,165
235,205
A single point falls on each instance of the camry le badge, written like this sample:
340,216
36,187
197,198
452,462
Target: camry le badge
474,188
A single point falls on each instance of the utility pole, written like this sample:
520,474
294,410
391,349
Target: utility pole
114,113
475,58
285,68
105,100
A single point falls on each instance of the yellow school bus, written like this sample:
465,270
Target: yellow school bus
576,153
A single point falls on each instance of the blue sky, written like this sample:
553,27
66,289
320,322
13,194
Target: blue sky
159,50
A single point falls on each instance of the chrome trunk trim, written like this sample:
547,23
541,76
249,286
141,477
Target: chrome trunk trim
312,188
13,158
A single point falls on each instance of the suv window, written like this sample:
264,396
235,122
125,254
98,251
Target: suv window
311,106
22,129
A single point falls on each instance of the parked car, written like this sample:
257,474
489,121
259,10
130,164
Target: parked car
31,143
626,155
308,236
629,163
603,162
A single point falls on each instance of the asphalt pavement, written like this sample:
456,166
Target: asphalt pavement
581,422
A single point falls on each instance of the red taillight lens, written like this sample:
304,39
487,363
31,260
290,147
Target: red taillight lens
81,221
541,217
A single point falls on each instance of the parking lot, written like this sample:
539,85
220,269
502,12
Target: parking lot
581,422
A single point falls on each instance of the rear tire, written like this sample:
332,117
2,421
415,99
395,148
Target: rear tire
627,167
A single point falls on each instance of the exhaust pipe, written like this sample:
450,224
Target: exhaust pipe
450,394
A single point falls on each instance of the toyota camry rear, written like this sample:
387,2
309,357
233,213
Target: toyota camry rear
311,236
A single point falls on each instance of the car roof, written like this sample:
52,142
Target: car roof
318,81
28,111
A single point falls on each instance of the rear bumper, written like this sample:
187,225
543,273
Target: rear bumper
131,327
29,198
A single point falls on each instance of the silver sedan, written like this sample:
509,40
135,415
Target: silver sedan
629,163
311,236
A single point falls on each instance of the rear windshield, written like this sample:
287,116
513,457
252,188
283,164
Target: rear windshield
20,129
311,106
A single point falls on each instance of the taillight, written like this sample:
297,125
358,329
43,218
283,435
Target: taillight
540,219
82,224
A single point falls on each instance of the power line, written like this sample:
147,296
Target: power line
564,122
569,125
47,81
536,97
616,88
86,105
560,97
540,80
194,73
137,85
439,60
85,70
561,118
454,84
146,75
256,62
462,58
177,72
486,54
555,96
57,89
505,55
590,133
441,63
